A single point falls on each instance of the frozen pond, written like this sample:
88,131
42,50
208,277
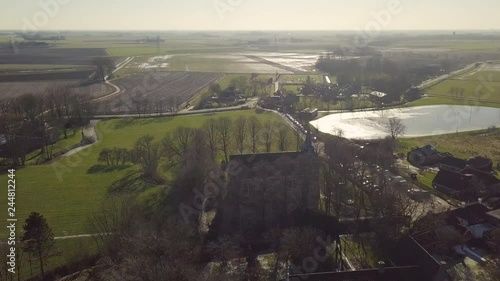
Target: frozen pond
419,121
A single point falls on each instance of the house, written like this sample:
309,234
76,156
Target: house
468,215
309,113
268,187
494,217
452,163
424,156
468,184
474,219
456,164
454,184
485,181
480,163
409,261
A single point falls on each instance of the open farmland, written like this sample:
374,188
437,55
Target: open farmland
16,89
48,55
178,87
262,62
481,84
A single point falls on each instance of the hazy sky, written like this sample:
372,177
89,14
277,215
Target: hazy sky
248,14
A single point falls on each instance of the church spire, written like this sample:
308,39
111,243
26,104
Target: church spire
308,146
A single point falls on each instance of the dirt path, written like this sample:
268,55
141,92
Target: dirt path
117,89
89,133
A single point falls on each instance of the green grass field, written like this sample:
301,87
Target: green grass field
68,190
473,89
452,101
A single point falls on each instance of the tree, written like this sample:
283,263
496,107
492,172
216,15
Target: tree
223,127
254,126
395,128
268,133
105,156
283,141
148,154
240,128
103,66
210,128
176,144
38,239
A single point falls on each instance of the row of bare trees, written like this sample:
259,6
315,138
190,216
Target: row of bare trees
30,121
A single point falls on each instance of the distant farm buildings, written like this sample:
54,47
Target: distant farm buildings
463,179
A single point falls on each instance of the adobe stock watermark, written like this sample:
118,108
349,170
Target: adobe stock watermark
380,19
224,6
47,9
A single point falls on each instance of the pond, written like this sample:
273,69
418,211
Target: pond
419,121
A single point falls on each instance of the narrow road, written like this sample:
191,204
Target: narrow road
251,103
89,133
432,82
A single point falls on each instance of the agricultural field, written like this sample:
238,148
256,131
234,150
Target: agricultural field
179,86
225,63
272,62
6,68
48,55
481,84
15,89
77,188
450,101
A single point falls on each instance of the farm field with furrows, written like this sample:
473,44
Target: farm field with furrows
16,89
180,86
48,55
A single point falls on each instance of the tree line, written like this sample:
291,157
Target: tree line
30,121
216,138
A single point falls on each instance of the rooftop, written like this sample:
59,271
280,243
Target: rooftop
427,150
494,214
485,178
474,214
454,162
453,180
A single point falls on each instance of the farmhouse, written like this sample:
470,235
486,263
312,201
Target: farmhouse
452,163
424,156
309,113
453,183
480,163
468,184
457,164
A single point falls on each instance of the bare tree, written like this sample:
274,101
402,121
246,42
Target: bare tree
240,130
103,66
395,128
254,126
283,140
224,126
268,134
210,128
147,153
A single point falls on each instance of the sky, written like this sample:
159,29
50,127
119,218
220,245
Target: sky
249,14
